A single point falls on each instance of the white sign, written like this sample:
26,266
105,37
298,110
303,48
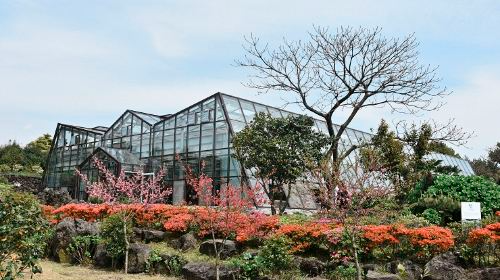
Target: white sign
471,210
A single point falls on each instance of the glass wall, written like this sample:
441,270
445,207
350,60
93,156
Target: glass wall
70,147
131,132
199,135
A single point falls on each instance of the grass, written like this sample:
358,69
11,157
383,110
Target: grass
55,271
192,255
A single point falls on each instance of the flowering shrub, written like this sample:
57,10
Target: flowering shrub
387,241
47,213
378,241
429,241
85,211
483,245
304,236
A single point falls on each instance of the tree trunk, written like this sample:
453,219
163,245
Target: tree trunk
273,209
126,245
271,198
356,259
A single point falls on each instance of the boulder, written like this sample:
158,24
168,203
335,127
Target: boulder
370,266
444,267
65,231
151,235
491,273
137,234
409,270
227,248
138,255
188,241
205,271
375,275
310,266
175,243
101,257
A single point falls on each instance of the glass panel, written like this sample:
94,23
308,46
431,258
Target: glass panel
168,142
221,163
136,126
219,114
170,123
233,109
234,167
193,161
181,119
158,127
248,110
274,112
136,144
208,162
237,126
126,142
194,138
180,140
261,108
157,149
207,136
221,135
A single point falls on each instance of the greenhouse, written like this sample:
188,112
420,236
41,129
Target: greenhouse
201,133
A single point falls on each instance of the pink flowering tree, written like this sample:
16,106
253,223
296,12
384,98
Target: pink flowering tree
115,189
223,209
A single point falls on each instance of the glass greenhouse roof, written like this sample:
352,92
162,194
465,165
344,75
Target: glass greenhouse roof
149,118
122,156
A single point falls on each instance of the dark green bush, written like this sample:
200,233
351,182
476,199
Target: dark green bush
82,248
467,188
113,235
342,272
432,216
173,264
275,255
447,207
249,265
274,258
23,233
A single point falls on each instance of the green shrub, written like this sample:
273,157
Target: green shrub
249,265
173,264
410,221
82,248
23,233
274,258
275,255
342,272
467,188
154,258
448,207
3,180
295,218
113,236
432,216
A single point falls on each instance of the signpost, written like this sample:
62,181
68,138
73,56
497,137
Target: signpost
471,211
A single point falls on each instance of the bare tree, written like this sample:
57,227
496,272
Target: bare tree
336,75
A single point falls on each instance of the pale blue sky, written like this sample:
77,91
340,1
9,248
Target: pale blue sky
85,62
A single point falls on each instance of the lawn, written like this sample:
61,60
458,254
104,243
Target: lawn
57,271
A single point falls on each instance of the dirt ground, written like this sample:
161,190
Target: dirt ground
57,271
